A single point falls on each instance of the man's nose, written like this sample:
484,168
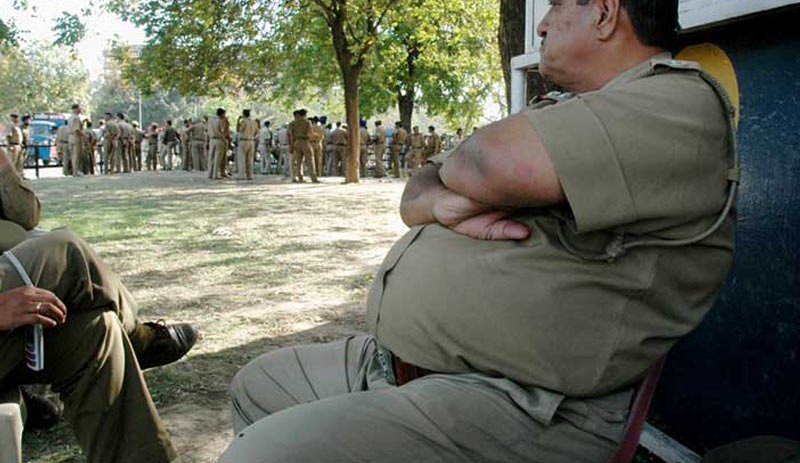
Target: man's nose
541,29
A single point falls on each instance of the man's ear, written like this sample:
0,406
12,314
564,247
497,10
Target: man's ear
607,15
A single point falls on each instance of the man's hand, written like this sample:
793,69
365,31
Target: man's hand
470,218
426,200
28,306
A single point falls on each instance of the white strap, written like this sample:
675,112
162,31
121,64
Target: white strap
20,269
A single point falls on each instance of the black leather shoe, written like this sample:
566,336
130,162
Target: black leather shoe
42,414
167,344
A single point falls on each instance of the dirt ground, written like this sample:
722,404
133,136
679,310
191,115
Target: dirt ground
255,265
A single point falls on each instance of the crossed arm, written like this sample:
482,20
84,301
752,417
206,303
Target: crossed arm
501,168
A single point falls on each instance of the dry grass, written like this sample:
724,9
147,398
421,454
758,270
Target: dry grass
254,265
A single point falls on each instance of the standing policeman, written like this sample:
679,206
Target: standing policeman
398,141
247,131
76,135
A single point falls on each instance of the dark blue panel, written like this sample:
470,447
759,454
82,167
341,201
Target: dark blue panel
738,375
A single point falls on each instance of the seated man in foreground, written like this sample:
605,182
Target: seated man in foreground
541,277
95,348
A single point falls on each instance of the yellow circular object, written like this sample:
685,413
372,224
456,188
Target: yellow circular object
716,62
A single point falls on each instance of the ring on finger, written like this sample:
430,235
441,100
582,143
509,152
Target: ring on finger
38,308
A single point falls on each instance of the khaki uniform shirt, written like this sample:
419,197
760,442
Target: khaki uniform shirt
18,204
316,134
380,135
125,130
363,136
215,128
197,132
111,130
647,156
416,140
62,134
248,129
433,144
339,137
298,130
399,137
14,136
75,125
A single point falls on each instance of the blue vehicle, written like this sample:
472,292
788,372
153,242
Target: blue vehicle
41,139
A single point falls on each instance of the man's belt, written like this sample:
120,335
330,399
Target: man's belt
341,144
198,139
405,372
247,139
218,138
398,371
14,144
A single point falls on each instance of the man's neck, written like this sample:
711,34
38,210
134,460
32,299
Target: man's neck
619,61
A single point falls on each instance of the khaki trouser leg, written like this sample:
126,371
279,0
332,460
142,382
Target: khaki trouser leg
89,359
396,162
221,156
105,397
335,406
379,149
197,156
307,158
75,154
108,155
363,154
61,262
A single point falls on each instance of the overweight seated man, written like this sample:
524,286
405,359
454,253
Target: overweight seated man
553,257
94,346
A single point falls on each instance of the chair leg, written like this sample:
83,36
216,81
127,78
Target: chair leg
10,433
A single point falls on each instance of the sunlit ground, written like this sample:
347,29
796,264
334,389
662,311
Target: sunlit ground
254,265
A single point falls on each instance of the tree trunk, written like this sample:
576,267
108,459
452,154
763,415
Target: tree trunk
405,104
511,38
351,115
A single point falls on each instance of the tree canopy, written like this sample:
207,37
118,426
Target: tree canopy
379,53
40,78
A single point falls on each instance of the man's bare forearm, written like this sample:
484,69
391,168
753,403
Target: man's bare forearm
503,165
416,206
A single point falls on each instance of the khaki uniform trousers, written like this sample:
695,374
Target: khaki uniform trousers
137,156
379,149
108,155
332,403
186,157
414,159
217,158
303,156
339,163
75,154
16,156
120,152
89,360
199,155
152,156
318,152
394,160
245,159
63,154
363,155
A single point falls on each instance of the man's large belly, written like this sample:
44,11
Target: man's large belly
523,310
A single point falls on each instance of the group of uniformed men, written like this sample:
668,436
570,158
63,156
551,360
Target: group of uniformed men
304,145
308,144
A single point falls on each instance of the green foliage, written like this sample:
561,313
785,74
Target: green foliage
69,29
443,54
9,35
40,78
